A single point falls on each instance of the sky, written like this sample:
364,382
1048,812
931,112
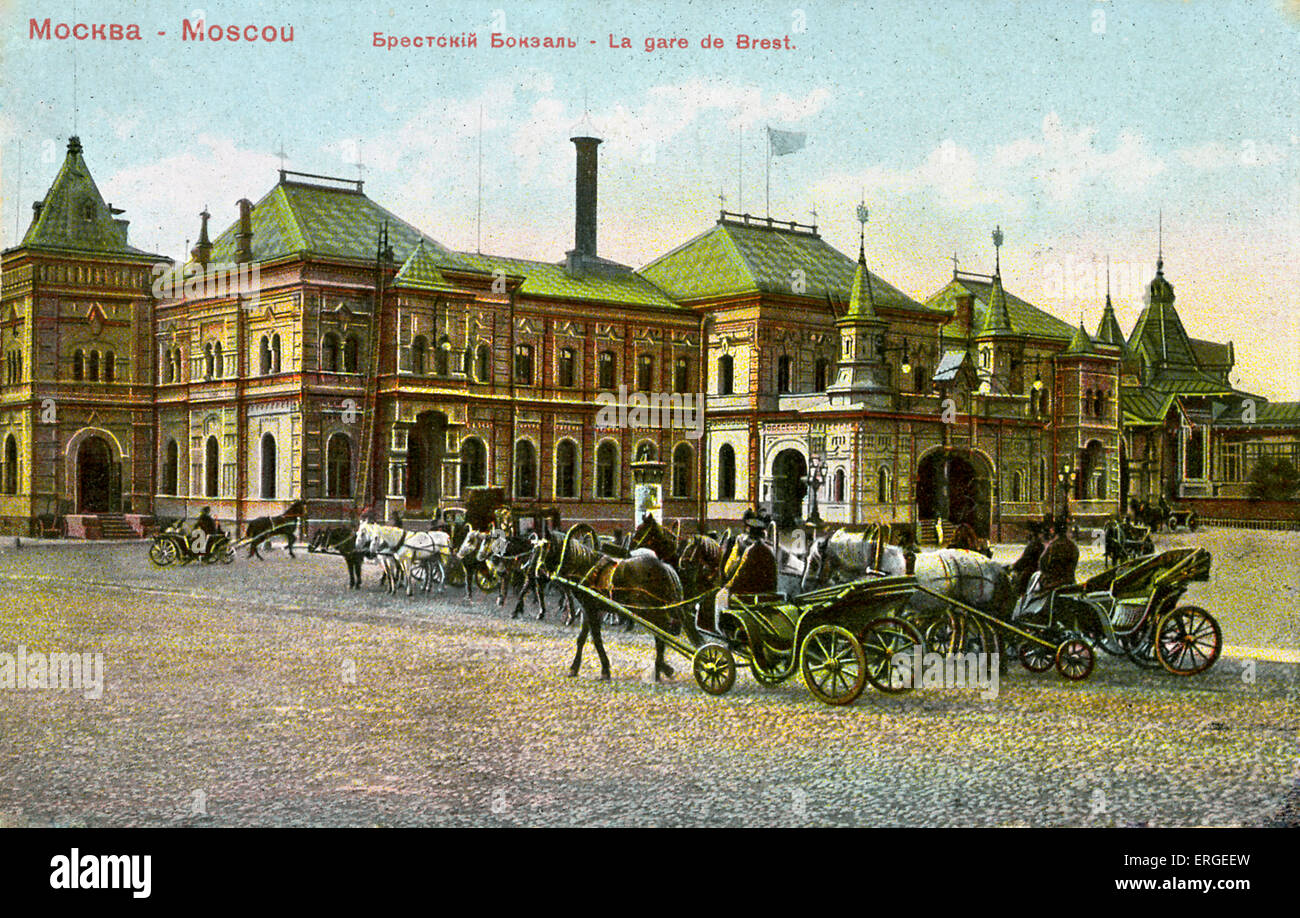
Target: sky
1078,127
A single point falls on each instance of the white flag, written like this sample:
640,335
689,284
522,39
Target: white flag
783,142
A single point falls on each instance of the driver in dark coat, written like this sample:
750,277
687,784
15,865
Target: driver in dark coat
204,528
752,565
1025,566
1059,560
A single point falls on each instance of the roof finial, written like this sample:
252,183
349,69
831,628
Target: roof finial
1107,280
863,215
997,251
954,265
1160,242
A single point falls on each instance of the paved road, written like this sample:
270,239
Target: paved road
265,694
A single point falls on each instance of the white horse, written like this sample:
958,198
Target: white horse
399,551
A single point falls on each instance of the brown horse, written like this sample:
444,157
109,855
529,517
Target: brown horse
642,582
659,540
261,530
701,561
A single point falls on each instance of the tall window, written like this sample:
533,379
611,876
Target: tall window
607,371
645,372
1016,486
418,348
11,465
110,366
525,469
92,367
726,472
568,368
211,467
820,373
473,464
837,491
683,459
275,352
681,375
783,364
442,358
524,364
1099,404
171,467
607,470
884,486
566,469
467,362
264,356
78,365
168,368
1087,402
218,363
329,353
920,379
268,467
352,354
726,374
484,372
207,361
338,466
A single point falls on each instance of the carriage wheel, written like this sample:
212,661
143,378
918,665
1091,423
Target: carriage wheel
1035,657
882,640
1188,640
1075,659
486,580
939,630
1172,523
215,552
715,669
834,664
163,553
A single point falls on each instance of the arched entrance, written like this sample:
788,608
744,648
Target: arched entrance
789,470
954,487
99,479
426,445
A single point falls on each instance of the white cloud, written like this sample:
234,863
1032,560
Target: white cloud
1214,155
1065,160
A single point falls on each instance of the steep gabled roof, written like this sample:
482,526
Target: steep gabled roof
420,272
1160,339
734,258
1026,319
1081,342
997,319
74,217
1108,330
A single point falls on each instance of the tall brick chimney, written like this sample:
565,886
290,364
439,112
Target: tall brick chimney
584,242
244,238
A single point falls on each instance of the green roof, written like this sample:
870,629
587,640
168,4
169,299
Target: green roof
997,320
1140,406
862,305
547,279
1108,330
73,216
297,218
736,258
1026,319
1081,342
420,272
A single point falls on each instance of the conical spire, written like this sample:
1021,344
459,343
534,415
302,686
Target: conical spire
862,303
1081,343
73,214
996,318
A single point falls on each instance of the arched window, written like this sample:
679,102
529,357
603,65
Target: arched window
884,486
524,364
484,373
329,353
218,363
567,371
176,365
645,451
11,465
607,370
681,375
726,472
1043,405
268,467
211,467
78,365
726,374
467,362
168,368
525,469
418,348
783,365
566,469
607,470
473,464
171,467
264,356
645,372
1099,404
92,367
338,466
1087,402
683,459
1017,479
920,379
275,353
821,372
110,366
442,357
837,492
207,360
351,354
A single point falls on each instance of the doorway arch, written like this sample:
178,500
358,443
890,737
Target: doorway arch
789,469
99,479
426,447
954,486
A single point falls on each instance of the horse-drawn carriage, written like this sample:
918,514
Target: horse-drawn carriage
1125,540
174,544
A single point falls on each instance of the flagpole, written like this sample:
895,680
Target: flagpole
769,172
740,171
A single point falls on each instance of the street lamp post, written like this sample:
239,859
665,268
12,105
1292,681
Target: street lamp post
813,480
1066,478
